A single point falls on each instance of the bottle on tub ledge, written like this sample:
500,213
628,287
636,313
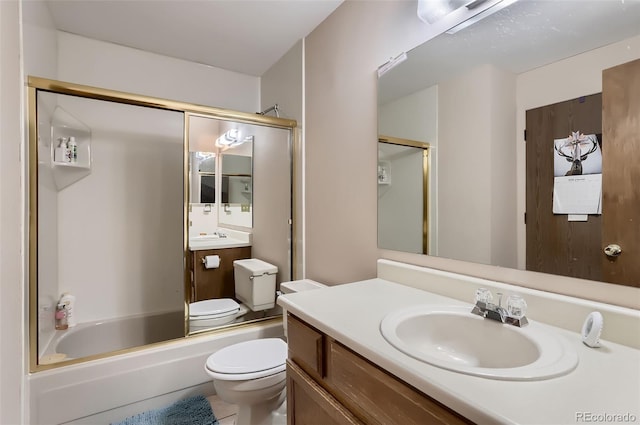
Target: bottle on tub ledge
69,301
61,317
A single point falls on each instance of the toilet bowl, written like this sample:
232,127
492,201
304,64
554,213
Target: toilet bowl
251,374
255,288
216,312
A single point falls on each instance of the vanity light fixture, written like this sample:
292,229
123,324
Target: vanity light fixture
431,11
232,138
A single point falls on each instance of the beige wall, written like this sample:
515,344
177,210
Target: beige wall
341,58
12,313
342,55
282,84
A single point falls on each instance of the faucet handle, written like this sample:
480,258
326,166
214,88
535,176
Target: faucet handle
483,295
516,306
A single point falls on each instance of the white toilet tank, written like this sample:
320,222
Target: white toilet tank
255,282
297,286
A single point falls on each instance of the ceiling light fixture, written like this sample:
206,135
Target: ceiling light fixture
232,138
469,12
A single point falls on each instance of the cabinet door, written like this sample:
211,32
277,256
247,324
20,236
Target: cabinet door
218,282
379,398
310,404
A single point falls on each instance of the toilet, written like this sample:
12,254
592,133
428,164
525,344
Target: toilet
252,374
255,283
207,314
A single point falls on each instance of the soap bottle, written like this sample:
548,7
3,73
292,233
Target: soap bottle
61,153
73,149
61,318
68,301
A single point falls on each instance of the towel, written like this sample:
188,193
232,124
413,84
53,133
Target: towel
190,411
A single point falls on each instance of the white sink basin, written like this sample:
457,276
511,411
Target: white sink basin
452,338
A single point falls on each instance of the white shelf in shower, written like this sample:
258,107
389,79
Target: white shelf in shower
65,125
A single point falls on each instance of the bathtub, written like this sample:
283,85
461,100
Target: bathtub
111,388
88,339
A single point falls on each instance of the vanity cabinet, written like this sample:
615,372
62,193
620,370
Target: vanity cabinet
327,383
215,283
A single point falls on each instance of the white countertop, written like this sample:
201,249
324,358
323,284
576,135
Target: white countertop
605,382
200,245
231,239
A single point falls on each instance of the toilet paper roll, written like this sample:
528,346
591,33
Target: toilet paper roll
211,261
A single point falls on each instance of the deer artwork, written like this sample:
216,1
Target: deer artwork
572,149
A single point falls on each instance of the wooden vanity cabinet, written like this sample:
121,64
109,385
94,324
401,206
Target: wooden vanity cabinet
215,283
327,383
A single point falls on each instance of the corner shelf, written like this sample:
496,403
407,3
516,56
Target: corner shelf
65,125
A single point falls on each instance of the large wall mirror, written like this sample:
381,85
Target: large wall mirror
124,191
240,208
471,93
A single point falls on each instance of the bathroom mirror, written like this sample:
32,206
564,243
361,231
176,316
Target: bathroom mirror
467,93
249,217
403,195
202,170
109,218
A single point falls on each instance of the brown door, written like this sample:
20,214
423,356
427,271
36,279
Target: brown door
554,244
621,172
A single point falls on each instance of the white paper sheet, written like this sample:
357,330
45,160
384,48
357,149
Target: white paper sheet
578,194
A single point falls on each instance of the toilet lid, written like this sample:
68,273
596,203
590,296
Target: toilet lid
219,306
249,356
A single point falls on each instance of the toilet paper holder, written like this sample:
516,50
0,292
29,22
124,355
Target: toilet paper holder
211,261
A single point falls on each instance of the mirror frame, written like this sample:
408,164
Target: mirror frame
426,158
37,84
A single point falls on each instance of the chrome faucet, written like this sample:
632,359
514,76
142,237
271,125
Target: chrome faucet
512,315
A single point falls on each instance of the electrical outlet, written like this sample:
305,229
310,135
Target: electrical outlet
245,207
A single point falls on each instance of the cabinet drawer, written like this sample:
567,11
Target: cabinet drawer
306,346
377,397
310,404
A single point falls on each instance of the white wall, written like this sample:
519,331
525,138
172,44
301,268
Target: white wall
120,228
86,61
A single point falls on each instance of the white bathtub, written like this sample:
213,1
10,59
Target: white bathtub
109,389
88,339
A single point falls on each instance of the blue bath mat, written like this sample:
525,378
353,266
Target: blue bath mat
190,411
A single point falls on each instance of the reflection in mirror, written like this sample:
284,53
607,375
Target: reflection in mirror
109,226
237,184
474,93
403,195
202,168
243,237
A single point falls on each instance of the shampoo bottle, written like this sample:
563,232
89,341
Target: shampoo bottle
68,301
73,149
61,153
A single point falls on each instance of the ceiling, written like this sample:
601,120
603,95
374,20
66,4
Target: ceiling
246,36
526,35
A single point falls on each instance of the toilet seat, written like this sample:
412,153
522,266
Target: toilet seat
248,360
210,309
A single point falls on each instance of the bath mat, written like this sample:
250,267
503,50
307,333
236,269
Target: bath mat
190,411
